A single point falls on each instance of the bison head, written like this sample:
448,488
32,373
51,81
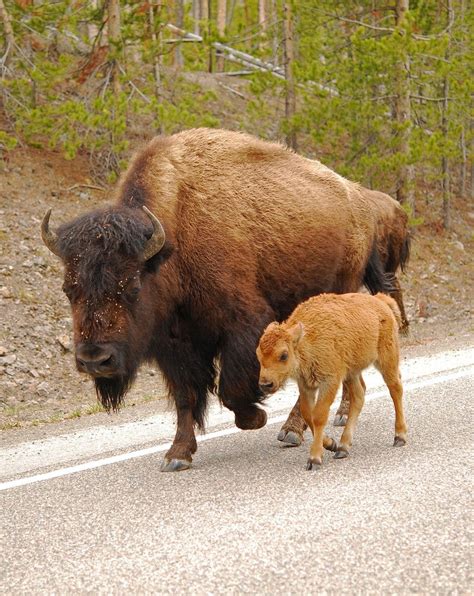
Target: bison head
110,258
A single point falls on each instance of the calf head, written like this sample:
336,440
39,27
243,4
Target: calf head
276,355
110,258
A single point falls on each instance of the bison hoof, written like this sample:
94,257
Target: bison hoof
314,463
332,446
175,465
399,442
341,453
340,420
251,419
290,438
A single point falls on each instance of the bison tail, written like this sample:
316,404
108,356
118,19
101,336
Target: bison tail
405,252
375,277
390,302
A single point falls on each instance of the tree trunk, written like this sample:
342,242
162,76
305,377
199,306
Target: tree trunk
290,95
196,16
275,40
156,39
262,21
462,190
178,54
221,22
9,37
445,180
113,28
445,131
403,115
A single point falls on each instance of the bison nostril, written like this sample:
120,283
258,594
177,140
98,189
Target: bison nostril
106,362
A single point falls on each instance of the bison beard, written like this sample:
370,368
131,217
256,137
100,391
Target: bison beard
110,392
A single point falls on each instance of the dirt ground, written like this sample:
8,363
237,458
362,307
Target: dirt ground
38,380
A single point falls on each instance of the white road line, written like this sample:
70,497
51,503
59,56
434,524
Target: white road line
410,386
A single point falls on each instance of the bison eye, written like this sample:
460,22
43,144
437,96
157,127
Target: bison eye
132,293
283,356
68,290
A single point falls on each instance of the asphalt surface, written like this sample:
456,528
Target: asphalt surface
248,518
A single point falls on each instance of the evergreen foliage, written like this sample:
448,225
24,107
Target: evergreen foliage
352,62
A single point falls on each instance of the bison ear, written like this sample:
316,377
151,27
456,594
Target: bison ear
153,264
296,332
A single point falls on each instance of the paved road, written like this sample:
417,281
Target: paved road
248,518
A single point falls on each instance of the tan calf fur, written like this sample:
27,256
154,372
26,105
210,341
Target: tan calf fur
327,340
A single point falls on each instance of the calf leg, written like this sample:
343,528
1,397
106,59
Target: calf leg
293,429
356,390
306,400
388,366
320,415
396,393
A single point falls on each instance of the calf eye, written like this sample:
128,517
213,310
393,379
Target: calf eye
283,356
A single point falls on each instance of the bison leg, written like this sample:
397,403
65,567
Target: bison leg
238,382
179,456
188,367
397,295
292,431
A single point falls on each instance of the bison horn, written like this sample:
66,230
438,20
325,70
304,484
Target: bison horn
49,238
155,243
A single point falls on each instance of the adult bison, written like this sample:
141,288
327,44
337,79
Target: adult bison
213,235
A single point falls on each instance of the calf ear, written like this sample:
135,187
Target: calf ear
296,332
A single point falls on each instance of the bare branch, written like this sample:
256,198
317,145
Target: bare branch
361,23
75,186
436,99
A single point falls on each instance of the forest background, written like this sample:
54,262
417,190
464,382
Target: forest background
379,91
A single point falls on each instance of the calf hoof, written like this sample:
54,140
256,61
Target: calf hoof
340,420
251,419
314,463
290,438
399,442
341,452
175,465
332,446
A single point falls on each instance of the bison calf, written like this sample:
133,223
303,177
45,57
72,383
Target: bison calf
327,340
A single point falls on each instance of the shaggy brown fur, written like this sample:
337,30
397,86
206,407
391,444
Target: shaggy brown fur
252,229
327,340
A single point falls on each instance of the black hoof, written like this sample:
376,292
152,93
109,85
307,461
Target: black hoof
341,453
332,446
175,465
290,438
340,420
313,463
399,442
